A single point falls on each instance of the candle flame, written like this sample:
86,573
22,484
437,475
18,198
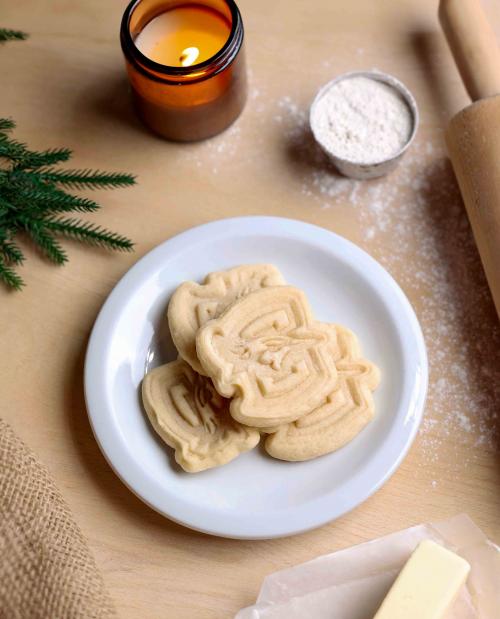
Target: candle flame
189,56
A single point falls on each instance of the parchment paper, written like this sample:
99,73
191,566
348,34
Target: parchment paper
351,583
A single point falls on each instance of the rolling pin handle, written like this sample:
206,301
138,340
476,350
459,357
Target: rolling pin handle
473,45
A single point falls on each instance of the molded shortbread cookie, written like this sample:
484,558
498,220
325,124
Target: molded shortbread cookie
193,418
268,353
343,414
192,304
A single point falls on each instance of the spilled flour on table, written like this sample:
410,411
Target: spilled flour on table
414,223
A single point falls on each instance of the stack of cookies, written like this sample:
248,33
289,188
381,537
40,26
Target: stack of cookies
254,361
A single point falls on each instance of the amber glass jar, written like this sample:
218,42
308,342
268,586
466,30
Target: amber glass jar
186,102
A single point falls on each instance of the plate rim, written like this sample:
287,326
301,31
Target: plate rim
287,228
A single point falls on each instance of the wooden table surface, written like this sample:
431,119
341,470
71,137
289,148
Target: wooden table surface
65,86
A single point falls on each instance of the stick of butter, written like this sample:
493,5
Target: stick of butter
427,584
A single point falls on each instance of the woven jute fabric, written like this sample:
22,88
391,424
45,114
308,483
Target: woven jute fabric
46,568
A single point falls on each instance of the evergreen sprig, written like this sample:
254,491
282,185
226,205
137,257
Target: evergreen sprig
12,35
33,202
85,179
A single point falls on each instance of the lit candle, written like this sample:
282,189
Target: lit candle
186,65
184,36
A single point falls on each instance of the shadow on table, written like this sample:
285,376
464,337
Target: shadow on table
103,106
111,100
445,209
304,154
472,300
432,52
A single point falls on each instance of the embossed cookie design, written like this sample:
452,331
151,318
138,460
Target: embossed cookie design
342,415
268,353
192,304
190,416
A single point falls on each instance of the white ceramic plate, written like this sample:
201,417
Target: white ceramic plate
255,496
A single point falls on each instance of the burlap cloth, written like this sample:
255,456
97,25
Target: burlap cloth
46,569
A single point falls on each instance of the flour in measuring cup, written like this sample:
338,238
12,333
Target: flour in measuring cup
362,120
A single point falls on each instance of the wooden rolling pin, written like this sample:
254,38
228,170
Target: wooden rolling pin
473,135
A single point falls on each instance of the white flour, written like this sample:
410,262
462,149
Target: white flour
362,120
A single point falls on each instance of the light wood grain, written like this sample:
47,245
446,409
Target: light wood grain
65,87
473,139
474,46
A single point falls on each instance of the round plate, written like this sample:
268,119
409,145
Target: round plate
255,496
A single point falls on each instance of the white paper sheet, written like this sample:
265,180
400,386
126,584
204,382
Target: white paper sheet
351,583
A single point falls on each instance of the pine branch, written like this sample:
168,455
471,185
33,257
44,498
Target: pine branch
31,159
38,232
12,35
87,179
48,199
6,124
6,207
90,233
11,149
33,197
11,253
9,277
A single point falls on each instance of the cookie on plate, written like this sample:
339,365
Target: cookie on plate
190,416
342,415
192,304
268,353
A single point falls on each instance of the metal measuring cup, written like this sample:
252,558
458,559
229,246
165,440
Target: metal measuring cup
366,170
